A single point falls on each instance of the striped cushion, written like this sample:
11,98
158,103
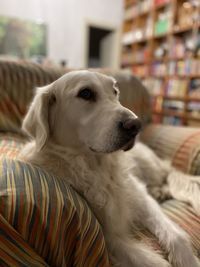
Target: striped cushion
181,144
14,251
44,221
10,145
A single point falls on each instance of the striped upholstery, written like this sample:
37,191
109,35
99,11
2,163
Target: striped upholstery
184,216
50,216
180,144
14,251
17,81
10,145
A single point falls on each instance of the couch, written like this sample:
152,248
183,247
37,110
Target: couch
45,222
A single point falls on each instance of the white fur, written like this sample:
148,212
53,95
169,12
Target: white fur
80,141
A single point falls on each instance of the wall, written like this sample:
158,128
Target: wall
66,20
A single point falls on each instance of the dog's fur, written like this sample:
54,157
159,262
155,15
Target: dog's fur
81,139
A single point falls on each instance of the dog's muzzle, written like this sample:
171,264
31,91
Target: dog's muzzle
129,129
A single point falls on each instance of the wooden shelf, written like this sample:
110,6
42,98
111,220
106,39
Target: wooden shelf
128,3
142,40
163,5
192,76
161,36
171,113
179,98
182,29
141,14
166,59
140,62
181,76
193,118
192,99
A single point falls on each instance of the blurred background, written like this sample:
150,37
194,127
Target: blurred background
161,45
73,33
156,40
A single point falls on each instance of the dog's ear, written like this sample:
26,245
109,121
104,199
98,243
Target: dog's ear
36,122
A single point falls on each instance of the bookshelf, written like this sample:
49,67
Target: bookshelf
161,45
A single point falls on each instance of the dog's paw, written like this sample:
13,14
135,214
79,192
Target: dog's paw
197,262
181,263
158,262
153,259
181,254
160,193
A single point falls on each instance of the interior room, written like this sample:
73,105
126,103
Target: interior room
157,41
100,133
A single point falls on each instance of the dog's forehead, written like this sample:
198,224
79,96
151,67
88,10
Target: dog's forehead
85,78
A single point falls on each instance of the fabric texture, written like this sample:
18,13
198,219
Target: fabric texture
183,215
44,221
179,144
14,251
10,145
17,83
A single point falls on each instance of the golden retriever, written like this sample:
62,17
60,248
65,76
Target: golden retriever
82,134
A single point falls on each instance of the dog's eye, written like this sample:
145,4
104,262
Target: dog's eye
87,94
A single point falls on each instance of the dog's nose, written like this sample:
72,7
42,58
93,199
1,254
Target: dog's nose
131,126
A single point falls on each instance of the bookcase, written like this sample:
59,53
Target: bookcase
161,45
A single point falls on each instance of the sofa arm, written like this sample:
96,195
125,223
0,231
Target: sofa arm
181,145
55,223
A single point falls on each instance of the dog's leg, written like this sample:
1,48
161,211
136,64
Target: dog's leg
172,238
130,253
151,170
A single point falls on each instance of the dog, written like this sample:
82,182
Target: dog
83,134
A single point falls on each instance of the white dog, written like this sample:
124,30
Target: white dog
80,132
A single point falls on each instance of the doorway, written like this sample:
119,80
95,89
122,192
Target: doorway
101,47
99,42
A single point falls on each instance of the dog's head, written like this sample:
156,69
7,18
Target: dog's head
81,110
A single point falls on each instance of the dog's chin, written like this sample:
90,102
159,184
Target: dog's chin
125,146
128,145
